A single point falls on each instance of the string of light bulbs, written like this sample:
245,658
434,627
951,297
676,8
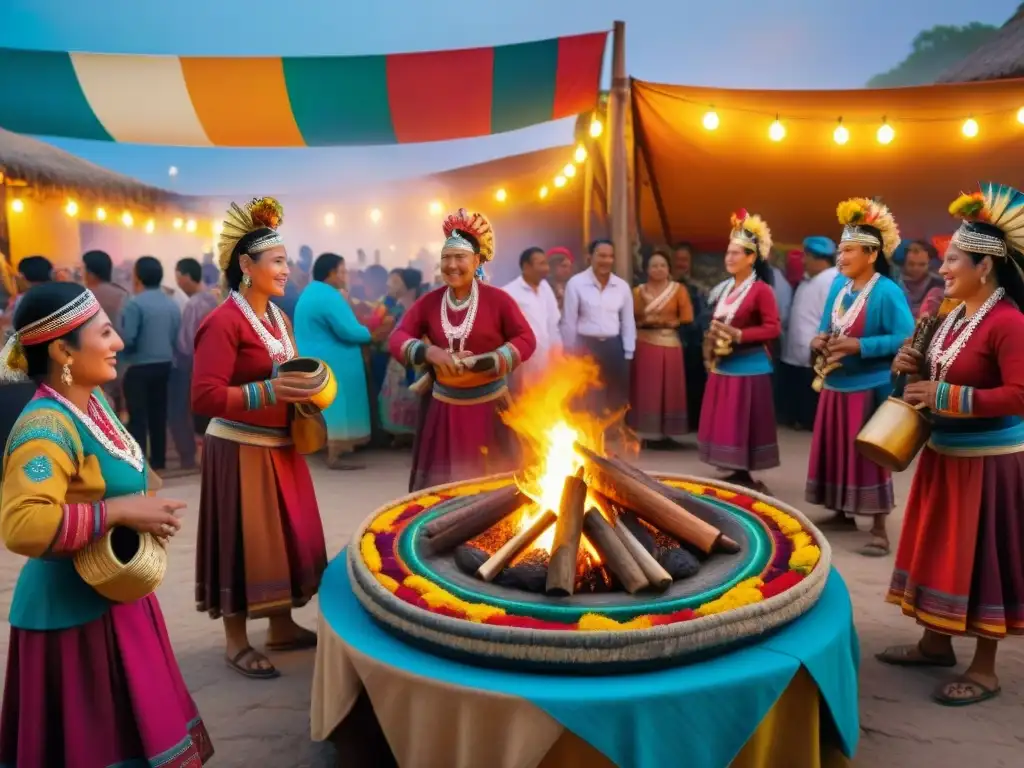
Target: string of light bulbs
970,128
73,209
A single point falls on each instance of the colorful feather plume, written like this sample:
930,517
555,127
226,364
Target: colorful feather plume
753,229
474,224
258,213
1000,205
864,211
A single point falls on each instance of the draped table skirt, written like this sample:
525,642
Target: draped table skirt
789,699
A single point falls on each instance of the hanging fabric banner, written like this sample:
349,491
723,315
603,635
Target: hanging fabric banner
314,101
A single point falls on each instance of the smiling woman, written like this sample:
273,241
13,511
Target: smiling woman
472,336
71,473
261,543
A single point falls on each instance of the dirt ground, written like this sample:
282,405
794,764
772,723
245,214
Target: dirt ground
257,723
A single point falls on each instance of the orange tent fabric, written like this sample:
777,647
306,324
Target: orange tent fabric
692,178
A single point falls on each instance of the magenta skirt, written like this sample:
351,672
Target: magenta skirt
107,693
737,423
460,442
657,393
839,478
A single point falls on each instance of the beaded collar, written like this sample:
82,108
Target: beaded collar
280,350
105,430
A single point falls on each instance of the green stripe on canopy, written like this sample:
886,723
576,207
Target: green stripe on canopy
40,94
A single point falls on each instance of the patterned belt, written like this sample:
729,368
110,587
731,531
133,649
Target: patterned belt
471,395
249,434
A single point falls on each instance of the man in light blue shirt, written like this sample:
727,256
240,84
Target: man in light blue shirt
150,321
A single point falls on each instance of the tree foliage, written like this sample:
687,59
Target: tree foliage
934,51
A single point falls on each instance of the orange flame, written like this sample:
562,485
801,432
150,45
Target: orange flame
548,418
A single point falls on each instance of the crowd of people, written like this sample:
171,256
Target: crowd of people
441,367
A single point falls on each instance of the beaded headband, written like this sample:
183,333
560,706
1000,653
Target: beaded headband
751,232
265,243
968,239
456,242
861,236
72,315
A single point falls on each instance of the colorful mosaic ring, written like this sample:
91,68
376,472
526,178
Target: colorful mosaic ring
778,575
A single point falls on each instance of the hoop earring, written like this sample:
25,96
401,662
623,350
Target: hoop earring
246,281
65,374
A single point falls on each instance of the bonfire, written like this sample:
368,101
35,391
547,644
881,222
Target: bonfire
579,516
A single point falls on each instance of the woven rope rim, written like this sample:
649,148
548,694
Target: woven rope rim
592,647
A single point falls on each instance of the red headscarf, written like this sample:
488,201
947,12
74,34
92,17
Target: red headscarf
794,267
561,252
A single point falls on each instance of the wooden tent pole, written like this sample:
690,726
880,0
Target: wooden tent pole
617,158
588,205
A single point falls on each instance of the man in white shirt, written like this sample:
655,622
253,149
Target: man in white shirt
798,402
599,320
536,299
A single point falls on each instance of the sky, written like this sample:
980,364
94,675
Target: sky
729,43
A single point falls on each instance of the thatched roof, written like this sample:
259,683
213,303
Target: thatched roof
1000,59
50,170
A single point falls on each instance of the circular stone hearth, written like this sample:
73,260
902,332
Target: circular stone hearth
777,575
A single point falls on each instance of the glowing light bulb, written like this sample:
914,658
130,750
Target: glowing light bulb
595,128
501,195
776,131
1020,115
178,223
543,192
218,227
885,133
150,226
101,214
126,219
711,121
970,128
329,219
559,181
190,225
71,209
436,208
17,205
376,215
580,155
569,171
840,135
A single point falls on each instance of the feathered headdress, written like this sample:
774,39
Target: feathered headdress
860,216
480,238
258,213
751,231
998,205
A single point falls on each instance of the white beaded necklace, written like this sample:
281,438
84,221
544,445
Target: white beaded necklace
461,331
941,361
725,310
842,321
131,454
281,350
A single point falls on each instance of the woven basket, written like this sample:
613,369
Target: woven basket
124,565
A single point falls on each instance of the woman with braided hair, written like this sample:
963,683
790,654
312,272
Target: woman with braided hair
261,543
472,335
960,561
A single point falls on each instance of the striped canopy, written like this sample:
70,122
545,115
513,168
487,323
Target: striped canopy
311,101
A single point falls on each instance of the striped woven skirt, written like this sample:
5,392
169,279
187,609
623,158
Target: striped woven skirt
737,423
461,436
839,478
107,694
261,545
960,561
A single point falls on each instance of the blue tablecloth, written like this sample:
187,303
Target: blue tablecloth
699,715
